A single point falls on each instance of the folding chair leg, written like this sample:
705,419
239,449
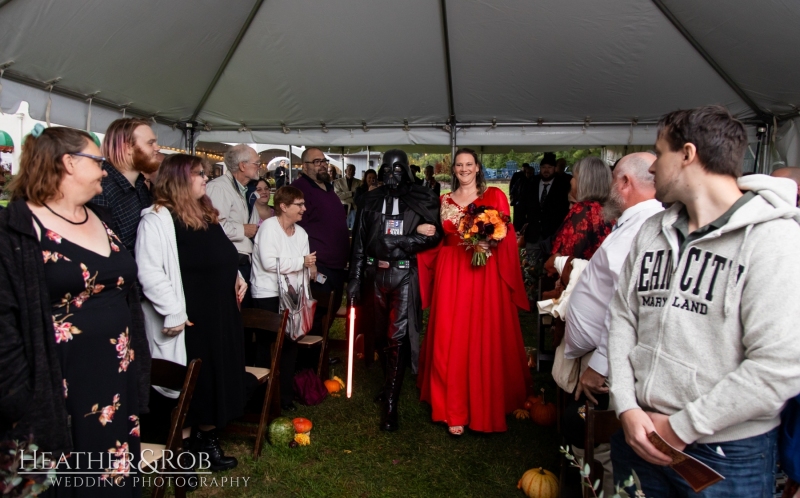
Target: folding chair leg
264,418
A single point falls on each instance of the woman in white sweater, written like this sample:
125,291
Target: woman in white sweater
281,238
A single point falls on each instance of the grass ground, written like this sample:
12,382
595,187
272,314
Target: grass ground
4,203
350,457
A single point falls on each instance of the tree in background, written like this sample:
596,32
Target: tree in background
441,162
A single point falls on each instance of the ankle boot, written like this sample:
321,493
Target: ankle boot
395,369
208,442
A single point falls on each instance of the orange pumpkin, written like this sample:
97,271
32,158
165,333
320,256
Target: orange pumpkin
528,405
539,483
302,425
332,386
535,399
543,413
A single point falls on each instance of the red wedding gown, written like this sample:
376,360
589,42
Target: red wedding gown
473,369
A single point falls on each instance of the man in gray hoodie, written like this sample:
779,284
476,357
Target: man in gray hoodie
703,345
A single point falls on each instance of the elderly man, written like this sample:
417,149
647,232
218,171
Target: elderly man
345,188
326,225
698,352
792,173
228,193
631,202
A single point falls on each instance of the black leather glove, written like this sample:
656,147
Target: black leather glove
353,291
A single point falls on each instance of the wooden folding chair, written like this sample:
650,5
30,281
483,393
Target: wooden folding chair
181,378
600,426
324,298
263,321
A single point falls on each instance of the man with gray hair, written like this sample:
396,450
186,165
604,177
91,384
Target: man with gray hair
630,203
228,194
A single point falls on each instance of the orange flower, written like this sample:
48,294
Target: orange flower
500,231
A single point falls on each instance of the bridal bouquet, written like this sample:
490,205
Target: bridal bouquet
482,223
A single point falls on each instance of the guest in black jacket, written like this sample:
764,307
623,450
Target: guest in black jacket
71,361
546,204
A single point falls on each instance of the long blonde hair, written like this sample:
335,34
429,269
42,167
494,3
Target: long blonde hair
173,190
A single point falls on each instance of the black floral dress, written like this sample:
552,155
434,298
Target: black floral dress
91,322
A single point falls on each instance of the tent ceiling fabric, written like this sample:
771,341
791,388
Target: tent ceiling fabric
304,62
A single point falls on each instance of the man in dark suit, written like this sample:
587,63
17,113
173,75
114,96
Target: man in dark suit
547,204
516,189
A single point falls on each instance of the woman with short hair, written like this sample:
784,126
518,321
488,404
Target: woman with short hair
584,228
280,237
188,272
74,370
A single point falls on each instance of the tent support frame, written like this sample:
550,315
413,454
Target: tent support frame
227,59
760,113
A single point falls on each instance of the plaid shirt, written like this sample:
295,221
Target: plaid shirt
125,201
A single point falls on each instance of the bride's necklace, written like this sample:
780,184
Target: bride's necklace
86,211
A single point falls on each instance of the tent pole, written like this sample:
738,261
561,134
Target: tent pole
710,60
453,138
367,157
289,172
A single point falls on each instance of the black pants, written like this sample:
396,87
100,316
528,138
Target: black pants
335,283
391,300
288,353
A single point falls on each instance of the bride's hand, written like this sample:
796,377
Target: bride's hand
426,229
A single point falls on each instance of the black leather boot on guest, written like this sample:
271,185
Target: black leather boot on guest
208,442
395,369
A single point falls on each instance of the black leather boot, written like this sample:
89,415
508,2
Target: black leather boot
208,442
395,369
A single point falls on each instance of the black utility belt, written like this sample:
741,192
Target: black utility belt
400,263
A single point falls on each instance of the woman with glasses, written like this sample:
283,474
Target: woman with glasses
261,208
188,272
280,237
71,364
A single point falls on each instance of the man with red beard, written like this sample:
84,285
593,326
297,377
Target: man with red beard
132,153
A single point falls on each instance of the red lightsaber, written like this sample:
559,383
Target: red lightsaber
350,350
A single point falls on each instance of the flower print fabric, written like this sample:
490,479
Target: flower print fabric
582,232
91,327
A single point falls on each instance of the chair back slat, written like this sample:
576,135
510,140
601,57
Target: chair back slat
254,318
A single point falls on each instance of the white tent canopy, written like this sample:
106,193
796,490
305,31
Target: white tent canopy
499,73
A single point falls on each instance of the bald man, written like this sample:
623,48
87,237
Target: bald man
631,202
792,173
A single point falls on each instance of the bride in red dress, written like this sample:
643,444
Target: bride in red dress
473,369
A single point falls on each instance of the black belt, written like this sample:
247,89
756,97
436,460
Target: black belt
400,263
244,259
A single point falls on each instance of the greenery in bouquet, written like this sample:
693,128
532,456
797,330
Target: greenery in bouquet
12,484
482,224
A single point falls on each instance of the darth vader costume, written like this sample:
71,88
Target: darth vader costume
384,269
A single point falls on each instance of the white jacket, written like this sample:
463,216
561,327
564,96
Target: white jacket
272,243
160,278
233,210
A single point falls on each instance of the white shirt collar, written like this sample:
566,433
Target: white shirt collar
636,209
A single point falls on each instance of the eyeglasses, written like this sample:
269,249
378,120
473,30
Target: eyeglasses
100,159
201,173
300,204
318,162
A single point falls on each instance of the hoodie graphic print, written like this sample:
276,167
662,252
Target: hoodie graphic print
710,336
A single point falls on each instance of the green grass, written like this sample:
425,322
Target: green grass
350,457
4,203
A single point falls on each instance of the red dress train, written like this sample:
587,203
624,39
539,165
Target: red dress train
473,369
